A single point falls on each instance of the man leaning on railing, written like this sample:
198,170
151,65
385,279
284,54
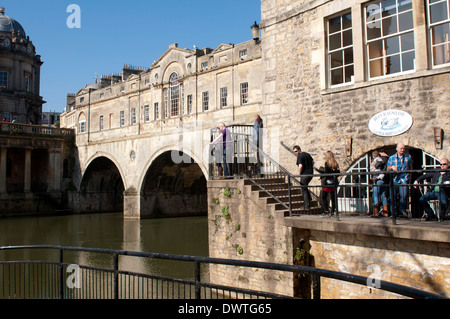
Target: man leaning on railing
438,192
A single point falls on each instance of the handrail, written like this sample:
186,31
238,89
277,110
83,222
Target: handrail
314,272
18,128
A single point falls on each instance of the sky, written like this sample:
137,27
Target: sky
113,33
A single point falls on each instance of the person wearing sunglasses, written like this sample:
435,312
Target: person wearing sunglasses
438,192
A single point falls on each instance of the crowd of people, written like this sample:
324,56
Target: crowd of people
400,164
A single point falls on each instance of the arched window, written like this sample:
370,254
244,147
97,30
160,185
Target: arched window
174,95
81,123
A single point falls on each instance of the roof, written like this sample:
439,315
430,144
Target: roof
8,24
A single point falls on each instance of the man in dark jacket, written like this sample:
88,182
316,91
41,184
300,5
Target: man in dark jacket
305,165
438,180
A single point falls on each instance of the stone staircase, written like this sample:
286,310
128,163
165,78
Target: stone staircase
275,191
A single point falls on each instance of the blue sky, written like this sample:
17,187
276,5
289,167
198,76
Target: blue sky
114,33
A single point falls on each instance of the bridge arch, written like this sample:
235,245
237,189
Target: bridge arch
173,184
102,186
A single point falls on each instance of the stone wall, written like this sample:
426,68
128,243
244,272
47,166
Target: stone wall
243,227
304,110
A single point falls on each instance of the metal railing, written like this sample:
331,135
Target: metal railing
58,279
28,129
413,191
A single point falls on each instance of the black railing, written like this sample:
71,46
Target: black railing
59,279
413,191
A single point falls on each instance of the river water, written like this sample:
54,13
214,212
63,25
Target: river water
178,236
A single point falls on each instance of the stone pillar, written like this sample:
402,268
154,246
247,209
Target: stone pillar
54,171
27,175
131,203
3,165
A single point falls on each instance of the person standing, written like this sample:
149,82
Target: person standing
329,183
400,162
256,141
228,152
378,164
305,164
438,192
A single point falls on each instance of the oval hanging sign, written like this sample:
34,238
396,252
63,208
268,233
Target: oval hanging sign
390,123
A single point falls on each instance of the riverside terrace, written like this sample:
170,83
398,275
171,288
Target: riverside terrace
352,191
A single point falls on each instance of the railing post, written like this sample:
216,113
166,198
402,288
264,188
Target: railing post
197,279
116,276
290,196
336,208
393,199
316,286
61,274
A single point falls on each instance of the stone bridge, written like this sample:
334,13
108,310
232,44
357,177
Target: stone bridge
143,135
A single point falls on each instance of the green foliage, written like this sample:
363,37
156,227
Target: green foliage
240,250
225,211
227,192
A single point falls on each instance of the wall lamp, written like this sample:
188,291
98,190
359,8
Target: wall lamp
256,32
438,137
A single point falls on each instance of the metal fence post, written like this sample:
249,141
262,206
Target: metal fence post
197,279
116,276
290,196
336,208
316,286
61,274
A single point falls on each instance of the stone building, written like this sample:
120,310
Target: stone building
20,69
130,122
330,68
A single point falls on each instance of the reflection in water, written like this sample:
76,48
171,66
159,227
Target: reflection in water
179,236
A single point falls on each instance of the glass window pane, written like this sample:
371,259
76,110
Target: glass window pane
373,12
405,21
375,49
441,54
346,21
438,12
408,61
336,59
389,7
349,72
374,30
335,41
440,33
404,5
393,64
376,68
407,41
390,25
337,76
334,25
347,38
348,56
392,45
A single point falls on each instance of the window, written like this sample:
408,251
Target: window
133,116
204,65
81,123
340,50
243,53
156,106
174,95
27,83
146,113
100,123
244,93
81,99
389,37
122,118
189,104
205,101
439,26
223,97
166,103
4,80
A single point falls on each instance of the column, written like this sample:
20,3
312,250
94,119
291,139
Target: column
27,178
54,171
420,35
131,203
3,161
